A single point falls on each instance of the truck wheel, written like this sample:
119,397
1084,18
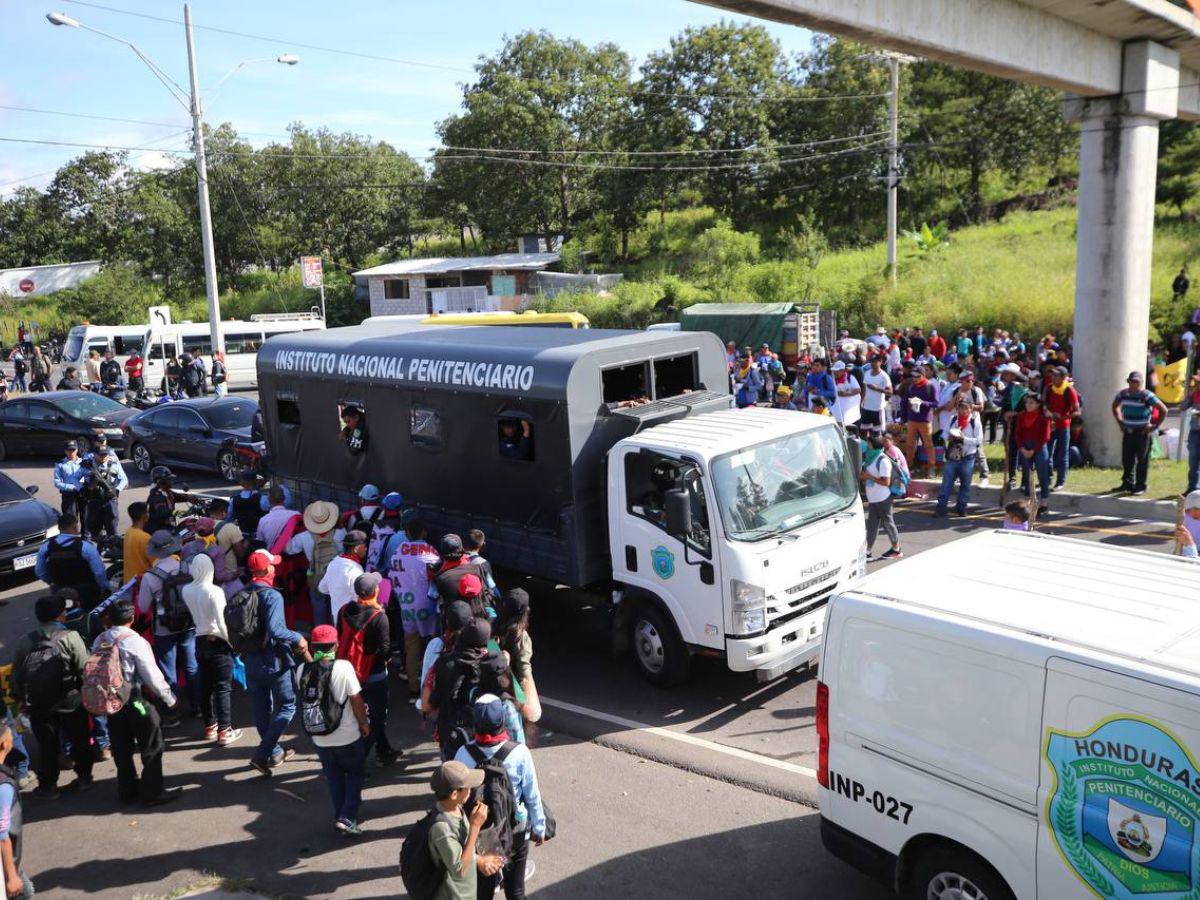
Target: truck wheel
951,873
661,655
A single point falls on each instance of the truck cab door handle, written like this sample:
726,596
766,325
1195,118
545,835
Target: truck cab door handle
630,558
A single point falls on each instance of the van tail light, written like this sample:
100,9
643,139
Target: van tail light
822,734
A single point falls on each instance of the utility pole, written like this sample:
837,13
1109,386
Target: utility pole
206,235
893,176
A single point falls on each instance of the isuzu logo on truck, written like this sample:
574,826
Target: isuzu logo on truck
1125,809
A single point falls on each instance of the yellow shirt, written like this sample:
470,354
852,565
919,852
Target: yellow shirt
137,560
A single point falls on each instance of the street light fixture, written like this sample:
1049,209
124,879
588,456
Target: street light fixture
191,101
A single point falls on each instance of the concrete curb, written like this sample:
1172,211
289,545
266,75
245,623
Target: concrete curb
1065,502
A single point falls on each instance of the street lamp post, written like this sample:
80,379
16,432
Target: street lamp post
190,101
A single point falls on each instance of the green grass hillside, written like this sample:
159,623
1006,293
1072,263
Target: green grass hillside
1018,274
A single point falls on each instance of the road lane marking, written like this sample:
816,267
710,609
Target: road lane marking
1165,535
632,725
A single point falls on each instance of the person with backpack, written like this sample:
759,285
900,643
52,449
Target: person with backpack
455,683
206,603
385,527
246,506
163,498
319,542
512,629
473,543
510,790
963,436
67,560
123,681
102,486
369,511
220,375
47,672
255,621
160,597
877,478
409,570
20,367
364,641
455,617
438,860
68,477
16,883
455,566
110,374
39,372
191,379
328,689
340,574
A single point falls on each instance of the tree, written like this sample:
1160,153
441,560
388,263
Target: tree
116,296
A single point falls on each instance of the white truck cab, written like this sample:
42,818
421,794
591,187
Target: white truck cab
729,531
1016,715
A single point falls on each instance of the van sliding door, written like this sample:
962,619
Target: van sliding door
1119,794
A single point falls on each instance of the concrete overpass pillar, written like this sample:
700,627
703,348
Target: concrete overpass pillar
1118,165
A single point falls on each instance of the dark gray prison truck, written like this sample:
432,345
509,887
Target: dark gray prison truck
602,460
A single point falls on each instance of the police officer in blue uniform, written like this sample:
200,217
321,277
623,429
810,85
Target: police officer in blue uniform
68,478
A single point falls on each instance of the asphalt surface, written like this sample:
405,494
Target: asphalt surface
702,790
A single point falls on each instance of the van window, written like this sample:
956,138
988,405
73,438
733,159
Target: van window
99,344
74,345
243,341
201,345
425,427
674,376
158,346
125,344
287,411
626,383
353,419
515,438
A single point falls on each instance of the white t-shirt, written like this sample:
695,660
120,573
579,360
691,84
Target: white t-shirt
881,468
945,393
873,400
343,684
846,409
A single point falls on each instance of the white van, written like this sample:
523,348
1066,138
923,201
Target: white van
1016,715
161,338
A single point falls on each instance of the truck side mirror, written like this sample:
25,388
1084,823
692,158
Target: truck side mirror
678,507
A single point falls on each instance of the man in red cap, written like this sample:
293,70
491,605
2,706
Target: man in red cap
269,670
335,717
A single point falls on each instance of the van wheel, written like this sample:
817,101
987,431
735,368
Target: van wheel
227,463
661,655
139,455
949,873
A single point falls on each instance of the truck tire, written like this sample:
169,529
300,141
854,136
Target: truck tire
661,655
954,873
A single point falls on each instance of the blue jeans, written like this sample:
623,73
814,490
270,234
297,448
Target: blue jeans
1060,454
375,695
274,699
100,731
960,470
344,768
322,608
1041,462
18,757
165,647
1193,457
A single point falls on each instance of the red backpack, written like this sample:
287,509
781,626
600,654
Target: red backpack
350,646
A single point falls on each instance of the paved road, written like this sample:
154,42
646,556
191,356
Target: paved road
691,804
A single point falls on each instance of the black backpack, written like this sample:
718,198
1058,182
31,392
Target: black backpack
161,508
319,711
497,792
175,616
46,674
421,873
247,511
244,622
457,683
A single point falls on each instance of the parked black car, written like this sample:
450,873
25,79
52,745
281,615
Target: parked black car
39,424
205,433
25,524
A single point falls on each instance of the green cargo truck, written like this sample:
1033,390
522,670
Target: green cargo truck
787,328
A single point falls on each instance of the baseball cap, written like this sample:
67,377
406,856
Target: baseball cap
248,476
367,584
451,546
1135,376
392,501
454,776
470,586
100,447
514,603
47,609
369,492
488,714
839,366
70,445
324,634
475,634
262,560
354,539
457,614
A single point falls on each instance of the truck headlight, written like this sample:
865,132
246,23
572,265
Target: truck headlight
749,605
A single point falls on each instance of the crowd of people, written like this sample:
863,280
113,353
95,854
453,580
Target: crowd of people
184,376
312,611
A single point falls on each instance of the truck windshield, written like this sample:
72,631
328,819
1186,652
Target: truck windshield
771,488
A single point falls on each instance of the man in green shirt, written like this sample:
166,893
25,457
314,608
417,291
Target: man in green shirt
453,835
47,674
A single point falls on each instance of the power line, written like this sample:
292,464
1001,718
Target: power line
588,152
76,115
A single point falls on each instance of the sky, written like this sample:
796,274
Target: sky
70,70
